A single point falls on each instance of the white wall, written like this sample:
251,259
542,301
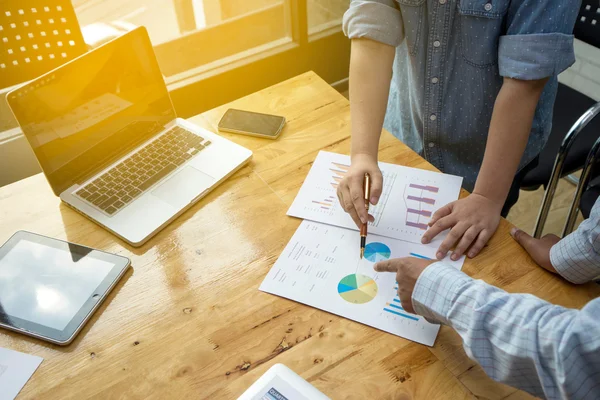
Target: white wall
584,75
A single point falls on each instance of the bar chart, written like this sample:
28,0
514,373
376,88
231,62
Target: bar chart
395,308
409,197
338,172
419,256
327,203
419,200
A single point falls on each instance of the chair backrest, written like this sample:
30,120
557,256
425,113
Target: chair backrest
36,36
587,26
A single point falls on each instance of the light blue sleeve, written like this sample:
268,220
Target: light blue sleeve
539,38
577,256
518,339
378,20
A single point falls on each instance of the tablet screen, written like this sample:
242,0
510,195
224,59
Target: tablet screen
48,285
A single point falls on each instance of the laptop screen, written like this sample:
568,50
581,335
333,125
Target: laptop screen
83,115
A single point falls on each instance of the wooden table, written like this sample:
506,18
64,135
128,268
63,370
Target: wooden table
188,320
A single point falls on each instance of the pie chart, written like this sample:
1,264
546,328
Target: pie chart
357,289
377,251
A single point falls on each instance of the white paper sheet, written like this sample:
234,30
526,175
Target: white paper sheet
410,197
15,370
321,267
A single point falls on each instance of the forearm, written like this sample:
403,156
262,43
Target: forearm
507,138
370,75
518,339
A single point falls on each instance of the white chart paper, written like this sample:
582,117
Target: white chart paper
410,197
15,370
321,267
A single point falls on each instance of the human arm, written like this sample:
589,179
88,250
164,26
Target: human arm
518,339
538,44
474,219
375,28
576,257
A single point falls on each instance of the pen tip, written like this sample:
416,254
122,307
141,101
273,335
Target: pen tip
362,253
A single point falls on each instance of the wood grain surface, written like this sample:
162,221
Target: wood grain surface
188,320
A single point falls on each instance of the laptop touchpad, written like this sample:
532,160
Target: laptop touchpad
183,187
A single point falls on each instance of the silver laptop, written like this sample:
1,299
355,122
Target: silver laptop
106,135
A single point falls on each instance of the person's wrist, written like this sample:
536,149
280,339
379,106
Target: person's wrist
496,200
356,156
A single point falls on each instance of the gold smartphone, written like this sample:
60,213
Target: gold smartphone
251,123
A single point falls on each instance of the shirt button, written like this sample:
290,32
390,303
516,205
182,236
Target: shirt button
442,2
433,117
437,43
431,144
434,80
488,6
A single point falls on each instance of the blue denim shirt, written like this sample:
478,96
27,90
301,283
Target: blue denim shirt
451,57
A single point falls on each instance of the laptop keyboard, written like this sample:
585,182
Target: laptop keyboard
120,185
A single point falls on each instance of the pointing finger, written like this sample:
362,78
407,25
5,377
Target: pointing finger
385,266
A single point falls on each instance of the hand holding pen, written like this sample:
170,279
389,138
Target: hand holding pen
351,189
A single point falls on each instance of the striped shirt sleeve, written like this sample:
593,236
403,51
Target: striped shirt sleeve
577,256
518,339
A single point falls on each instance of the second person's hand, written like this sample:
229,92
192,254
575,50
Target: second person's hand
538,249
472,222
407,272
350,191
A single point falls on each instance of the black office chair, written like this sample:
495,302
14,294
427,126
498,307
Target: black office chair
575,131
568,108
36,36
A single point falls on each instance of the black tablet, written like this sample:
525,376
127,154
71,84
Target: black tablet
50,288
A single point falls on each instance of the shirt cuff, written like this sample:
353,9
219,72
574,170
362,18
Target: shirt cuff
373,20
575,259
436,290
535,56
